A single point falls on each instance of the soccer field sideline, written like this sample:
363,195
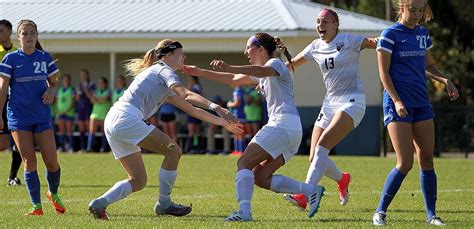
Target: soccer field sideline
208,183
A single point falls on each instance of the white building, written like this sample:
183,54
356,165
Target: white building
100,34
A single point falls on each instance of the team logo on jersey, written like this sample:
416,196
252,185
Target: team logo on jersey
339,46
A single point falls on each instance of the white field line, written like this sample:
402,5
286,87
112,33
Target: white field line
207,196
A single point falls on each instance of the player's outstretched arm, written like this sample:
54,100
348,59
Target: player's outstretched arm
201,114
221,77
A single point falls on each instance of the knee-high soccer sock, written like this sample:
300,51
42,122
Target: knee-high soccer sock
119,191
190,144
90,142
70,141
244,181
53,180
103,143
61,141
429,188
318,166
16,162
332,171
242,145
236,144
33,186
83,140
283,184
166,181
390,188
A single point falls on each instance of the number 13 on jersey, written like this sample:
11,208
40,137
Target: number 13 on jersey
329,63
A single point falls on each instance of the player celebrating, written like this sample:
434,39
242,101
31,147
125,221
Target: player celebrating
403,57
343,108
31,75
277,142
126,131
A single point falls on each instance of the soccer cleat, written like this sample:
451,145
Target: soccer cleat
35,211
343,187
436,221
56,202
238,217
298,200
236,153
315,199
99,213
379,218
174,209
13,182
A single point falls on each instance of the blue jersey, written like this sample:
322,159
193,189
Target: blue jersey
28,81
407,69
238,111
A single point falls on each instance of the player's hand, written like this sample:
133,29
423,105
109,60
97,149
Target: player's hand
226,115
191,70
237,128
48,95
219,65
452,90
401,110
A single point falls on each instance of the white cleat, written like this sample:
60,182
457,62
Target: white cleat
315,199
436,221
238,217
379,218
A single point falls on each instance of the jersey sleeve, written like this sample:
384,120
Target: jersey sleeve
170,77
52,68
6,67
307,52
386,41
278,66
355,41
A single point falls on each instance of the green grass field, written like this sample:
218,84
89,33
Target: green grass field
207,182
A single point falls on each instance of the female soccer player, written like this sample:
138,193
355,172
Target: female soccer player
237,105
155,82
101,100
84,91
65,107
337,55
119,89
403,57
7,46
31,75
279,139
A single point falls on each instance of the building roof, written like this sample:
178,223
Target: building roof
56,17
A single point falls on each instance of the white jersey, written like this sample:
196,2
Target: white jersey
339,64
278,93
149,90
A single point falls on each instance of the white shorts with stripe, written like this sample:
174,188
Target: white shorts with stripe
277,139
354,107
124,129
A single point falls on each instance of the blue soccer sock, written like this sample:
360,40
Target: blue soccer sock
236,144
429,188
103,142
90,142
70,141
83,139
392,184
53,180
33,186
61,140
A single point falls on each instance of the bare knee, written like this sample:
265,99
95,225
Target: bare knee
405,167
138,183
242,163
51,165
30,163
426,161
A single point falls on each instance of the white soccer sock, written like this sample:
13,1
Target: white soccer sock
244,181
166,181
318,166
119,191
283,184
332,171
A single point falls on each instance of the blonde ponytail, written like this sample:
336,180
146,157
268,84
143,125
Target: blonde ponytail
134,66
